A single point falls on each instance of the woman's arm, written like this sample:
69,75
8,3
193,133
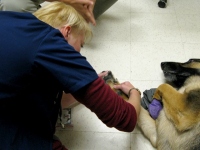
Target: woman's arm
110,108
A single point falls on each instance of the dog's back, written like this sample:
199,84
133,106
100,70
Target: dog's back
168,136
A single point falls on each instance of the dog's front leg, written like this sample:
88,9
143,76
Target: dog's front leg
148,126
160,91
173,103
169,95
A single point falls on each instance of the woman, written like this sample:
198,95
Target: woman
39,57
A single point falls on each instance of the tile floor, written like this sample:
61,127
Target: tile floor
131,39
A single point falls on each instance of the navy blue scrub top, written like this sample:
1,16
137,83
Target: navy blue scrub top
35,64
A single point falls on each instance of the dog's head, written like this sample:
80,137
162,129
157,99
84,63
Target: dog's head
176,72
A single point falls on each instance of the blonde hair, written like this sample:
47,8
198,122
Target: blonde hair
58,14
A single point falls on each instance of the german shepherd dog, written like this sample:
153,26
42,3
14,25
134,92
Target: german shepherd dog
178,124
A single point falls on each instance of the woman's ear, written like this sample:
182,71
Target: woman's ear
65,30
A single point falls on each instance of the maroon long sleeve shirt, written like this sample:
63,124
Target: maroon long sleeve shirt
110,108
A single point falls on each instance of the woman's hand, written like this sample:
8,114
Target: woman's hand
125,87
133,93
84,7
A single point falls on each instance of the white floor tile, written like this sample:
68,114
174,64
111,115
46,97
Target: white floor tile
189,27
139,142
94,140
148,55
151,6
153,27
192,50
109,55
113,27
187,7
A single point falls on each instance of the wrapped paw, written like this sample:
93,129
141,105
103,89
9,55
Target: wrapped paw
154,108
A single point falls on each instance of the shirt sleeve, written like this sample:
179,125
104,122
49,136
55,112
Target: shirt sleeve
110,108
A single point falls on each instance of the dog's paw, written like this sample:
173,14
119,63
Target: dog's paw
154,108
111,81
157,96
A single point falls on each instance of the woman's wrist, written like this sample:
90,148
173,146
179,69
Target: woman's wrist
133,89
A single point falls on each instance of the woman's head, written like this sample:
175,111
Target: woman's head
66,19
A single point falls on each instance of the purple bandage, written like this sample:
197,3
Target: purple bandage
154,108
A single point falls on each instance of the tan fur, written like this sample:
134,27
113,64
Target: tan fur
178,124
195,65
